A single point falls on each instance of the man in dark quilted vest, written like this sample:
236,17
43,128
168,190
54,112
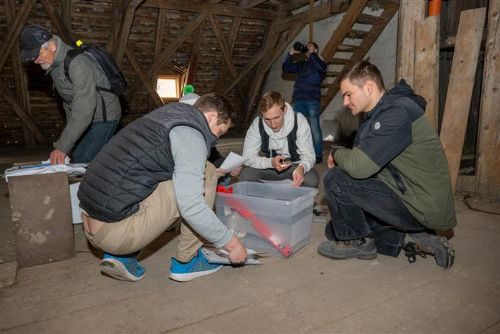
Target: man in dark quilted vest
395,179
151,173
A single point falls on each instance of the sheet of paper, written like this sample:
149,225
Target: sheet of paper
232,162
221,256
44,168
76,213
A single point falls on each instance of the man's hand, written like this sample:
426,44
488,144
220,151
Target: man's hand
237,252
57,157
220,172
298,176
280,163
236,172
330,161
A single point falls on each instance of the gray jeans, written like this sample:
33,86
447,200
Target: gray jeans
311,178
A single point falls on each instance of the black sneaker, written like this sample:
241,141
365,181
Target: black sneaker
362,248
319,160
437,246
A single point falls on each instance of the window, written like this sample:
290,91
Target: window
168,86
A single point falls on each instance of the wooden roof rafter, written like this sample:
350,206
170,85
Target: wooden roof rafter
20,78
21,113
226,53
145,79
233,34
62,29
213,9
281,43
15,30
312,14
251,3
167,54
193,58
126,25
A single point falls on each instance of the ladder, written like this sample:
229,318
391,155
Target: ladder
352,39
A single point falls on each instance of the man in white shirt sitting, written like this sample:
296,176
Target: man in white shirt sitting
278,145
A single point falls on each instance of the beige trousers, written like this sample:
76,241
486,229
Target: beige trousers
156,213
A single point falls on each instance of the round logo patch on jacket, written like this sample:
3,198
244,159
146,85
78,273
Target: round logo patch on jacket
376,126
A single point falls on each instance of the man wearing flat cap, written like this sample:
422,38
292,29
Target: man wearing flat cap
92,115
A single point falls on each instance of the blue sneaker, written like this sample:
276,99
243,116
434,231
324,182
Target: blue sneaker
125,268
197,267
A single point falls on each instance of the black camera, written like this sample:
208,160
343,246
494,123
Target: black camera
298,46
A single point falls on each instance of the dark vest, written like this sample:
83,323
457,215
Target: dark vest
291,139
129,168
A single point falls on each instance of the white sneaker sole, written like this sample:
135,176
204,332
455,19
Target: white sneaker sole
117,270
191,276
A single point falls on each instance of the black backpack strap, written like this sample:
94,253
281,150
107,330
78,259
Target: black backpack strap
264,139
292,140
70,55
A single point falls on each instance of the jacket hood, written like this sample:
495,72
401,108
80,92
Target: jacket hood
61,51
403,89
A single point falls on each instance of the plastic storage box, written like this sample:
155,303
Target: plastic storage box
268,216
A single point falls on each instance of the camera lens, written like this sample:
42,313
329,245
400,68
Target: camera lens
297,46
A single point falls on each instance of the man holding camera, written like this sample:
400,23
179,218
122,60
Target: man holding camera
310,70
284,139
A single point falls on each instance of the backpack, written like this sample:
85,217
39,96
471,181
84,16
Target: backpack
107,63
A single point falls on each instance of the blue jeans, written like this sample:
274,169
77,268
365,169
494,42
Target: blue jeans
311,110
367,208
92,140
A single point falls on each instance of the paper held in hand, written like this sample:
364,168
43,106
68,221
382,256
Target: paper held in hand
232,162
221,256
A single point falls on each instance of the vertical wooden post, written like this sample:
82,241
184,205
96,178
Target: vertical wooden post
426,72
488,162
458,97
19,74
410,11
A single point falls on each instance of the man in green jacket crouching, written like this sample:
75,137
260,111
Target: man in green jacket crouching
393,181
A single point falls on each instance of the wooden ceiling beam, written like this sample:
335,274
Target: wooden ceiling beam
193,58
311,15
223,45
265,65
57,20
293,5
23,115
166,55
146,81
251,3
118,10
213,9
20,78
66,9
15,30
269,40
233,34
125,30
226,53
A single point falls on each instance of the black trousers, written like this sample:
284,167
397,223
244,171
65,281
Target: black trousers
367,208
